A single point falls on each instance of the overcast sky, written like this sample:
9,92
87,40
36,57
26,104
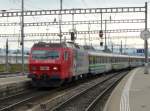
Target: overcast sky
54,4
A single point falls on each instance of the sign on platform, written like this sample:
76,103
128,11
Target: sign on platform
140,50
145,34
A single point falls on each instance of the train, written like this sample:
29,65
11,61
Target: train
52,64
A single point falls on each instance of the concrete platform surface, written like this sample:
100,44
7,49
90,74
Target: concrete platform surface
10,80
12,85
132,93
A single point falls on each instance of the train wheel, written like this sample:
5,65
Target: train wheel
84,75
76,78
81,76
68,80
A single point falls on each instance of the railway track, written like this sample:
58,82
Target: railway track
26,99
87,99
37,99
12,102
5,75
98,103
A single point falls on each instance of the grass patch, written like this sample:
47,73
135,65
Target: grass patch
13,68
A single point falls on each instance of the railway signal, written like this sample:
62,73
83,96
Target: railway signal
101,43
101,36
72,36
101,33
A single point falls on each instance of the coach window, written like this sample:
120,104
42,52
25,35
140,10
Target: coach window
103,59
93,59
66,55
112,59
115,60
100,59
90,59
96,59
106,59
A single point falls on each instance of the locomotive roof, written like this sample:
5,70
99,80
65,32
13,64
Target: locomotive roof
56,45
44,44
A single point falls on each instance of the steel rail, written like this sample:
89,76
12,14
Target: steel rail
62,105
95,101
33,94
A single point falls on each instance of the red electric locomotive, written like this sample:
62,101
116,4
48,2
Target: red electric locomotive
50,64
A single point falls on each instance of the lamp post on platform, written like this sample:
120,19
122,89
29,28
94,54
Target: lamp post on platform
145,34
146,42
22,33
60,21
7,65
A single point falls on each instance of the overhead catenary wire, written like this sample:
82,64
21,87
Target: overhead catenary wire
38,19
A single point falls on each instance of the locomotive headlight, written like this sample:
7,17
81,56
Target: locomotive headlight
55,68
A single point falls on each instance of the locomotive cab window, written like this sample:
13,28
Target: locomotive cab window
53,54
44,54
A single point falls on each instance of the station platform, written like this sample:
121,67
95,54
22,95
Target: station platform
132,93
11,80
12,85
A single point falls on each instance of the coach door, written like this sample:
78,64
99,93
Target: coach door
67,61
